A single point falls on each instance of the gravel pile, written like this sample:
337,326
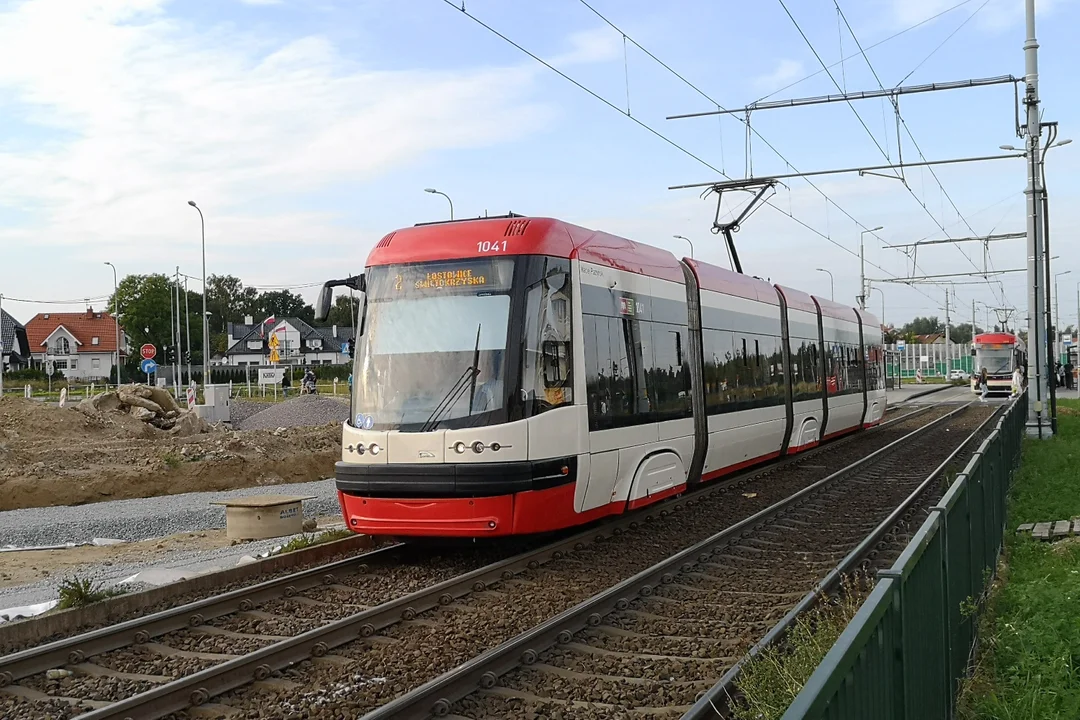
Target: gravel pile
146,518
304,410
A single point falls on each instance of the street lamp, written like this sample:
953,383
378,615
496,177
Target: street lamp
872,289
433,191
116,319
680,237
862,266
832,285
205,329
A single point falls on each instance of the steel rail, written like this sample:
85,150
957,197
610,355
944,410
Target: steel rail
198,688
78,648
436,697
708,704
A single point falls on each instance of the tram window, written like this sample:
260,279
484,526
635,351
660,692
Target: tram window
668,377
546,358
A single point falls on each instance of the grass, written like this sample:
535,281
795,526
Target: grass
307,540
172,460
1029,665
770,681
77,592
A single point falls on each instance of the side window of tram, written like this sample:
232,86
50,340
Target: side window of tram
546,377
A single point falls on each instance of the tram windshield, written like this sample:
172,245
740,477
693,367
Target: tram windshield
996,362
434,343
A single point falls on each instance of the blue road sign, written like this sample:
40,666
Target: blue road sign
148,366
344,348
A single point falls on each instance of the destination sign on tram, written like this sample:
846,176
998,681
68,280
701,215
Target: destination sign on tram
480,275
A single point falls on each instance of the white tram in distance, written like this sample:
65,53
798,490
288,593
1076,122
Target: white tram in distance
1000,353
519,375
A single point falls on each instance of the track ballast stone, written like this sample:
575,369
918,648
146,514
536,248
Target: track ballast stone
303,410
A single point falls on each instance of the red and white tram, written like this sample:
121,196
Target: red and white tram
518,375
1000,353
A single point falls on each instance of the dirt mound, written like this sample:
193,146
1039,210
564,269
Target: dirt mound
60,456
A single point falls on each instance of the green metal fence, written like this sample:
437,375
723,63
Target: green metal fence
906,650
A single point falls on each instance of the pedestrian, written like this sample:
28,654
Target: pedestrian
1017,380
286,383
983,380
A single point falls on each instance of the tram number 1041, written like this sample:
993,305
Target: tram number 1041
491,247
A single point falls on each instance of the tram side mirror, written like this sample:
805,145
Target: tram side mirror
556,359
556,281
323,302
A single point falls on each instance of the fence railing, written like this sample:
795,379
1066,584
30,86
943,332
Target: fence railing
906,650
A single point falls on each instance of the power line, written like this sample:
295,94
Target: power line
942,43
749,127
917,25
911,136
78,301
663,137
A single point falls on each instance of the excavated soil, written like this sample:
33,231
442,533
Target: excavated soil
60,456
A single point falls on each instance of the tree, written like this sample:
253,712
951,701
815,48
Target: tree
282,303
223,296
343,313
924,326
146,310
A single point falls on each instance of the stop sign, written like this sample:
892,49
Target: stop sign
148,351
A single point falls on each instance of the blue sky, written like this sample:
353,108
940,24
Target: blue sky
306,130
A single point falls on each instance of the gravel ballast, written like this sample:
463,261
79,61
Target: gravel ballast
304,410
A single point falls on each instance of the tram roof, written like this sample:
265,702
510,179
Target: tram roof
836,310
523,236
718,279
995,338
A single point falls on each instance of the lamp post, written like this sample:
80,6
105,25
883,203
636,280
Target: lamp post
862,266
116,319
433,191
680,237
832,285
872,289
205,330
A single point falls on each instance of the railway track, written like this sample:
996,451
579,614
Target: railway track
186,656
653,644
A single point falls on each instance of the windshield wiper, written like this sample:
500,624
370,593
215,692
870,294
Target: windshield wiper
467,380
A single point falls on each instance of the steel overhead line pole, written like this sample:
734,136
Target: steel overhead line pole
1038,366
863,292
187,325
178,345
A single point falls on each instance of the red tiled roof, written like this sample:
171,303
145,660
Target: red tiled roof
84,326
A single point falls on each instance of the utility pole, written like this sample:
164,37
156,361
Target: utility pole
187,325
947,290
177,345
1038,424
862,266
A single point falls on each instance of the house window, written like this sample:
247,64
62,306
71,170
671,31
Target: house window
74,364
254,344
95,340
96,362
62,346
315,344
60,364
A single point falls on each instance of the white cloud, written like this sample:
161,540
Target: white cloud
153,112
262,2
601,44
785,72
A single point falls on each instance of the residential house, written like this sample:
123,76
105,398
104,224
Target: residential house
82,346
298,343
14,348
931,339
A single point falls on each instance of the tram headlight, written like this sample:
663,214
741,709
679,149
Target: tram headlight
459,448
478,447
375,449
